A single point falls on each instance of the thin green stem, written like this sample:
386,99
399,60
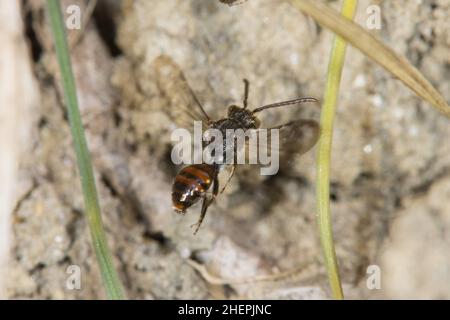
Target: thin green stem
110,278
324,154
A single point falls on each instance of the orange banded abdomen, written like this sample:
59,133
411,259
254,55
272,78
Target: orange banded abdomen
190,184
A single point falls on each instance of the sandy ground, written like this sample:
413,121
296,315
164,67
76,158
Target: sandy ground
390,163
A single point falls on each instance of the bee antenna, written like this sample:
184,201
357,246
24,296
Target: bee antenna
246,90
286,103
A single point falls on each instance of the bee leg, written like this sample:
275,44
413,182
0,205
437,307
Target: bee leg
233,169
206,203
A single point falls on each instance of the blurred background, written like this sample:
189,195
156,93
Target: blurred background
390,182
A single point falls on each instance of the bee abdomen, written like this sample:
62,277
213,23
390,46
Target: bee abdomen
190,184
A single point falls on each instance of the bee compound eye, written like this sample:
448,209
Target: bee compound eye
256,122
232,109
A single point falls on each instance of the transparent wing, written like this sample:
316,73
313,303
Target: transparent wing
183,105
285,141
298,136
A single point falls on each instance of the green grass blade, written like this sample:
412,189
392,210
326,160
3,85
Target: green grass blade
324,153
110,278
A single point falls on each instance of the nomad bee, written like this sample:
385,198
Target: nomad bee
193,182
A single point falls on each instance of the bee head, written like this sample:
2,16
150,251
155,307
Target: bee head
244,116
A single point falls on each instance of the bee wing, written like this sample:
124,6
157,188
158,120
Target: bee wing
183,105
294,138
298,136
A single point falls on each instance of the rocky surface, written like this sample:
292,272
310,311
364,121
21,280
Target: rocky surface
390,162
